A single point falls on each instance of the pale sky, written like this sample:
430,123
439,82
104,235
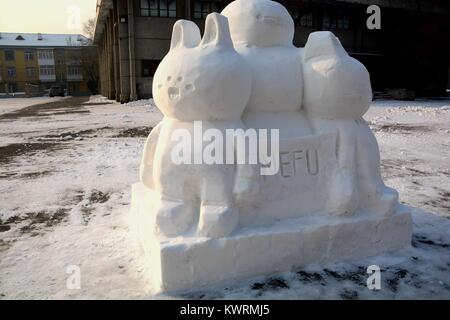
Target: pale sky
45,16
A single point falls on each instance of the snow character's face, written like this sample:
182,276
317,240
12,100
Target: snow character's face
204,80
259,23
335,84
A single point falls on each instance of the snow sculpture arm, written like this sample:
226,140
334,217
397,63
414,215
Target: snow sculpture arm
146,168
246,184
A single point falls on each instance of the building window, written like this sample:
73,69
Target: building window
149,67
46,55
159,8
11,72
47,71
337,22
74,71
30,72
203,8
9,55
306,20
29,56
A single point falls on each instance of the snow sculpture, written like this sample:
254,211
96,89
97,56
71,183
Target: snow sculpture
337,94
187,91
262,33
205,222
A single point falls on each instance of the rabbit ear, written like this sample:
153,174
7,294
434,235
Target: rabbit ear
185,34
217,31
322,43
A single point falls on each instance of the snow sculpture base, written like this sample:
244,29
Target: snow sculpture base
184,263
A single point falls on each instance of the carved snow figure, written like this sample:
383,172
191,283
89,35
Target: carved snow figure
337,93
197,81
262,32
195,219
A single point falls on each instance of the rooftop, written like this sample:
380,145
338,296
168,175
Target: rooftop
12,39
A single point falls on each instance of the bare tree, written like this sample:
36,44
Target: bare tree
89,28
86,57
89,57
91,67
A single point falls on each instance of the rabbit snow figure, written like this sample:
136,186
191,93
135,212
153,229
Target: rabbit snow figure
337,93
198,80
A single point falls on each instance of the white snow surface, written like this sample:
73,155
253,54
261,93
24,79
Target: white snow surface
65,179
12,104
141,103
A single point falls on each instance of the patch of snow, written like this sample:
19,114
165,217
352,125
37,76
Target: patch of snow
12,104
140,103
418,104
66,202
99,99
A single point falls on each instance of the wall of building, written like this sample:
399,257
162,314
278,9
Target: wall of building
400,45
21,79
20,64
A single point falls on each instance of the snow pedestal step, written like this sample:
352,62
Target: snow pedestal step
183,263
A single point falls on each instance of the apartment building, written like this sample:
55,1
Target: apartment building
42,60
411,50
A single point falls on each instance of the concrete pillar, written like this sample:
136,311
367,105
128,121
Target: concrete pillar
188,10
124,63
102,66
105,78
104,61
99,54
107,59
112,83
131,49
116,52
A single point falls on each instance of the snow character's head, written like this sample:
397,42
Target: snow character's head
202,79
259,23
335,84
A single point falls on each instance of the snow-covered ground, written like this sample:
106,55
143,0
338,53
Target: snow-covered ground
11,104
66,169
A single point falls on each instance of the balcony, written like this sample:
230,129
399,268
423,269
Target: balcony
46,62
74,77
46,58
47,78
